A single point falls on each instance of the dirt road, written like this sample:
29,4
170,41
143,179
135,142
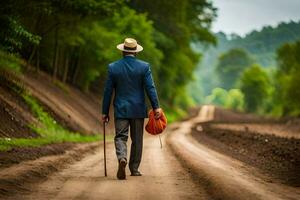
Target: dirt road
163,178
225,177
206,174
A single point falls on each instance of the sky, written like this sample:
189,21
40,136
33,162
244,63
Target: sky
243,16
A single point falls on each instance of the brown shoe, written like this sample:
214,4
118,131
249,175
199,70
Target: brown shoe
121,174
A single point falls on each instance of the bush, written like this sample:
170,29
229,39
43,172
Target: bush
10,62
232,99
235,100
255,85
218,97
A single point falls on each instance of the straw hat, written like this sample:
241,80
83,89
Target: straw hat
130,45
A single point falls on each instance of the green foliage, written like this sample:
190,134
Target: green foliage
185,19
48,129
255,85
232,99
131,24
261,45
9,61
218,97
99,40
8,143
13,34
75,40
194,89
287,96
177,24
235,100
231,65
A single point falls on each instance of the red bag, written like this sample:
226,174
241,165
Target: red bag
156,126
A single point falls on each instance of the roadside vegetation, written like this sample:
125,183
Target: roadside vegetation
73,41
48,129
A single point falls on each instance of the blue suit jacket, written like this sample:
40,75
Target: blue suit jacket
129,78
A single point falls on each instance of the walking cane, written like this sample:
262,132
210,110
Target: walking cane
160,142
105,172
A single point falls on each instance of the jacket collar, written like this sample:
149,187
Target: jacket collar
129,57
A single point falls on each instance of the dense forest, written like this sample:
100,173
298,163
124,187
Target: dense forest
248,73
73,41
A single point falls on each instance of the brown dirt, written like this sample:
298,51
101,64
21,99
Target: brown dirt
163,178
229,116
221,175
18,155
277,157
15,115
74,109
20,178
217,175
12,125
287,130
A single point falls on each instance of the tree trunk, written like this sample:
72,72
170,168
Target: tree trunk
38,59
55,56
65,76
31,55
77,67
55,67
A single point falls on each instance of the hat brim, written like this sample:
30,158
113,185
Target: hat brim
138,48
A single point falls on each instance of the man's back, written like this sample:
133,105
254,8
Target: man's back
130,77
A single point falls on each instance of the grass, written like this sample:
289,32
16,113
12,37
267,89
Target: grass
49,130
62,86
10,62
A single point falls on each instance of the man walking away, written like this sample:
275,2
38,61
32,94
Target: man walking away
129,78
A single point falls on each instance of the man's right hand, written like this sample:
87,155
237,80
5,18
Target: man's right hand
157,113
105,118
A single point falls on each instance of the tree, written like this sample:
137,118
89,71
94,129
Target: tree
218,97
75,40
255,85
177,25
235,100
231,65
262,46
100,40
288,79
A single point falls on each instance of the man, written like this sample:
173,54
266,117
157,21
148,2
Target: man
129,78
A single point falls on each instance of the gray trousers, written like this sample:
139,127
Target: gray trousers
136,135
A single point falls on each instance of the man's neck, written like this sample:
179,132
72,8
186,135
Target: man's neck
130,55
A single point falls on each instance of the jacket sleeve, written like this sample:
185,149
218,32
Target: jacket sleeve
150,88
108,90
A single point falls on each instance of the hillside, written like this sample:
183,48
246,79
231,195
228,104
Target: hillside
39,116
261,44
